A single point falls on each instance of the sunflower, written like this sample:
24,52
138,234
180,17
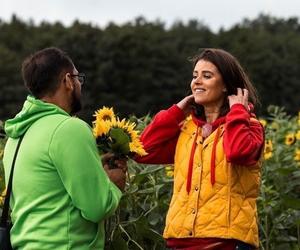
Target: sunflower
127,126
297,155
298,135
263,122
101,127
275,126
135,144
268,150
2,197
104,114
137,147
290,139
117,136
169,171
170,174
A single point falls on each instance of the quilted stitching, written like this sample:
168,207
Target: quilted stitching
225,210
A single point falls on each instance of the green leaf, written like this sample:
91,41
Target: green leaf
151,169
153,218
285,171
297,222
119,243
292,202
120,141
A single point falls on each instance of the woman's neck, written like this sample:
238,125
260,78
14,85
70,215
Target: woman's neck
211,114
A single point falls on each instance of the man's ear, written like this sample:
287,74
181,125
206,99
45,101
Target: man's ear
67,81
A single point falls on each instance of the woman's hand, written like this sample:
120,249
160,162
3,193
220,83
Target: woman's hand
241,98
186,104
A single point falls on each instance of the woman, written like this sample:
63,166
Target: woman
216,150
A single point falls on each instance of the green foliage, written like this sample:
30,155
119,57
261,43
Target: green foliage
2,144
139,220
142,67
279,202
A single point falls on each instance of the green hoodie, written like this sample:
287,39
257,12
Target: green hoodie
61,194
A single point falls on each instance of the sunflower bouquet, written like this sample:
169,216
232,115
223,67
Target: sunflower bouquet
116,136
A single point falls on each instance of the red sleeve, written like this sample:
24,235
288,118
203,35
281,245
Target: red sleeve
243,137
160,137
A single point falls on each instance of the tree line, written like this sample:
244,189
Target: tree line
141,67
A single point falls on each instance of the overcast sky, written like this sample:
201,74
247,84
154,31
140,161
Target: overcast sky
214,13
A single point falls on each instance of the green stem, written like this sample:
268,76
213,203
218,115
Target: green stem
267,232
129,238
298,235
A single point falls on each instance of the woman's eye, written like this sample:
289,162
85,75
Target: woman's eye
194,76
207,76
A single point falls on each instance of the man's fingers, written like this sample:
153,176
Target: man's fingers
106,167
106,157
122,165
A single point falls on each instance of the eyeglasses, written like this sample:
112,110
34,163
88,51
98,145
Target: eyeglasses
81,77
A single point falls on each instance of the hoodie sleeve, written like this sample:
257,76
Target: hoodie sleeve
74,153
243,137
160,137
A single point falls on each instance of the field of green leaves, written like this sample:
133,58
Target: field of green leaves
139,221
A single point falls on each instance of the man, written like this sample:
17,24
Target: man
61,194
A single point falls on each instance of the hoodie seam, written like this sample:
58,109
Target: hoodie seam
54,132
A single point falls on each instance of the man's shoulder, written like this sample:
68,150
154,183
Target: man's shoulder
73,125
64,120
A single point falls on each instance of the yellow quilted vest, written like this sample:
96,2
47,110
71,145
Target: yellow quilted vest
226,209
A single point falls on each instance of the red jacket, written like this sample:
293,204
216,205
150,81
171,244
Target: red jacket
243,141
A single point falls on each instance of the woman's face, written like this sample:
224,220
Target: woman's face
207,85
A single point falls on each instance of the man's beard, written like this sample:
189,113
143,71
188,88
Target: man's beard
76,103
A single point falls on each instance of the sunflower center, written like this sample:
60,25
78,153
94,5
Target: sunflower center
106,117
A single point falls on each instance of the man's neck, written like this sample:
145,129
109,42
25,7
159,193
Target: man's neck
56,101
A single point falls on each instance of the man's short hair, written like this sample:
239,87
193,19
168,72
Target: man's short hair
42,71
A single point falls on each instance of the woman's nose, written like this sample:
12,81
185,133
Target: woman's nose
197,80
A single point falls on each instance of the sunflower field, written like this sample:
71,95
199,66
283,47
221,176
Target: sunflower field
279,201
139,220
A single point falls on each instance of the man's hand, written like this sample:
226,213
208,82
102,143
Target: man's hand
241,98
117,174
113,162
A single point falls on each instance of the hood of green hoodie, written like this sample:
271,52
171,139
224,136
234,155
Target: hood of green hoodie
33,109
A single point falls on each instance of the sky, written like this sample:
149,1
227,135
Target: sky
214,13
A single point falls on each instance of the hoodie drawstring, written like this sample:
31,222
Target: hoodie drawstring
212,162
191,163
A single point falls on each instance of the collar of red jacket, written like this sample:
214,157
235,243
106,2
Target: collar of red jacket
200,122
